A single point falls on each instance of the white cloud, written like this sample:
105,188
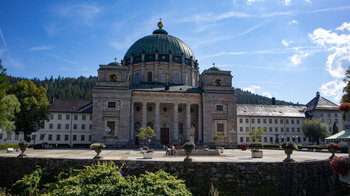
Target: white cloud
286,43
293,22
308,1
252,88
254,1
338,45
266,94
345,25
82,13
43,47
287,2
333,89
62,59
297,58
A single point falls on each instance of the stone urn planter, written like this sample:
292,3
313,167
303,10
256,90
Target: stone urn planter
188,147
257,153
220,149
288,148
148,154
98,148
23,145
332,148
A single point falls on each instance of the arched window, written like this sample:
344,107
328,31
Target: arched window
149,77
137,78
186,80
163,77
176,78
150,124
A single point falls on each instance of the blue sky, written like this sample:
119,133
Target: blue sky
284,48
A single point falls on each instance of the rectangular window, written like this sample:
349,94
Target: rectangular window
258,120
219,108
253,128
58,137
271,139
265,139
111,104
247,120
293,129
329,121
9,136
82,127
253,121
287,139
66,137
50,126
67,117
220,128
83,117
276,121
89,137
299,139
59,117
90,127
75,117
67,126
82,138
74,137
304,138
110,127
33,137
298,121
247,129
281,129
241,129
287,129
247,139
50,137
51,116
0,136
287,121
90,117
292,121
241,120
264,120
58,126
16,136
336,115
42,136
181,129
281,121
270,129
298,129
276,129
270,121
336,121
329,115
75,126
241,139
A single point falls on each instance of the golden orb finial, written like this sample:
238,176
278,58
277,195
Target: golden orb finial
115,59
160,24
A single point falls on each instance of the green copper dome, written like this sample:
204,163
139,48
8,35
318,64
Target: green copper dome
162,43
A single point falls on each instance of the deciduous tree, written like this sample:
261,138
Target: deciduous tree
314,129
34,105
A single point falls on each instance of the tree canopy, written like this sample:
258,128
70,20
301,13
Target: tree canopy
256,134
9,104
314,129
34,105
145,133
335,128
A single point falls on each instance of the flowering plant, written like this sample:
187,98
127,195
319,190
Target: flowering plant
344,107
332,146
340,165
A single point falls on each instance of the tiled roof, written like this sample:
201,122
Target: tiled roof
320,103
71,105
270,110
161,88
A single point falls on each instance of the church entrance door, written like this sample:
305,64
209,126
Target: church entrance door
164,136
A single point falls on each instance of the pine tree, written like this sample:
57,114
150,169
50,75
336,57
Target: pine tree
335,129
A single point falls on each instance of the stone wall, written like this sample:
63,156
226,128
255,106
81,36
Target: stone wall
304,178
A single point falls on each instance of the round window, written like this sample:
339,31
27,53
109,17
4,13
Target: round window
165,109
218,82
113,77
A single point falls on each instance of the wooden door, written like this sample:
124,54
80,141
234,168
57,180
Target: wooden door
164,136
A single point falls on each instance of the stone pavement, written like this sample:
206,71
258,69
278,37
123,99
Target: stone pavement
229,155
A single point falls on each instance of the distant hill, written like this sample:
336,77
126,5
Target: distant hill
81,88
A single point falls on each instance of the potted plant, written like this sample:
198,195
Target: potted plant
341,167
23,145
288,148
219,137
98,148
146,134
188,147
332,148
256,153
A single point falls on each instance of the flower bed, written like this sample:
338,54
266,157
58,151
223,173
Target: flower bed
340,165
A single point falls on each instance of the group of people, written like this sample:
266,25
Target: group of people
170,150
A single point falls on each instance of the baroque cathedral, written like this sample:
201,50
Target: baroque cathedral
158,84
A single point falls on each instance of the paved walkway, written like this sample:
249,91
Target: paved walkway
229,155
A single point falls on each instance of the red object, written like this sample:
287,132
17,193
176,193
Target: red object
344,107
332,146
244,147
175,146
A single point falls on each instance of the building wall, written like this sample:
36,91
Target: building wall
61,128
329,117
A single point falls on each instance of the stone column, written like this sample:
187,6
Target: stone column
144,114
132,136
188,122
200,123
176,124
156,123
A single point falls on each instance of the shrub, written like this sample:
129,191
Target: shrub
188,146
32,183
6,146
159,183
95,146
289,145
